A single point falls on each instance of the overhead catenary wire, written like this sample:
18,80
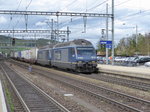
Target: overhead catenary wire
90,8
123,2
85,11
131,14
119,4
19,4
85,20
97,5
25,16
70,4
134,14
13,15
28,4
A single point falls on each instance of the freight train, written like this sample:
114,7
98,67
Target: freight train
77,55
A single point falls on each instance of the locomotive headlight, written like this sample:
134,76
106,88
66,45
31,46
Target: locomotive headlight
80,57
79,62
93,62
93,57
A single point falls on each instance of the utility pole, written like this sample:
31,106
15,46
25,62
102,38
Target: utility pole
67,34
35,40
52,38
57,27
13,32
136,28
106,34
112,32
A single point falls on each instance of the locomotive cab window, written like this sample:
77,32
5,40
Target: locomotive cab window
72,52
85,51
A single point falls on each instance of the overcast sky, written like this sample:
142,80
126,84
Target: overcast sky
128,14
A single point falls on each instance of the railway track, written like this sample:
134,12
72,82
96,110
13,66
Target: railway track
120,100
115,80
33,98
12,100
121,81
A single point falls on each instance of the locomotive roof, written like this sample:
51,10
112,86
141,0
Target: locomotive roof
78,42
47,46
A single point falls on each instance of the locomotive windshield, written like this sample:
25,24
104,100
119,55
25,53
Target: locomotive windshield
86,51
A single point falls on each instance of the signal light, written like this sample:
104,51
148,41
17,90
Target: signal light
13,41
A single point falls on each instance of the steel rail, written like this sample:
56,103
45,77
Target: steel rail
108,100
62,108
99,88
121,81
42,92
16,91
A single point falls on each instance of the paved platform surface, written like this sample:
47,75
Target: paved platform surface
2,100
131,71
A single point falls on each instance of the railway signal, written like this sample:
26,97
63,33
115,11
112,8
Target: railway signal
13,41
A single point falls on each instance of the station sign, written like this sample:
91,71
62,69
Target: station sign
105,42
109,46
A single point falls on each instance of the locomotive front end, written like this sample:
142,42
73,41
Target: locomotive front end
86,59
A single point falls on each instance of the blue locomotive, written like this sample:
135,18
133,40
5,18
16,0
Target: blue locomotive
44,55
78,55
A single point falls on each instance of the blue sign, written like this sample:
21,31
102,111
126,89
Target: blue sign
105,42
109,42
109,46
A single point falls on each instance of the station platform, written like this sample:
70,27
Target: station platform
129,71
3,107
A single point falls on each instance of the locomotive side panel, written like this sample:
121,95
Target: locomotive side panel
60,58
43,57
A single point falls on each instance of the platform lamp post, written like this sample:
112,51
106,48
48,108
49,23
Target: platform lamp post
107,34
113,49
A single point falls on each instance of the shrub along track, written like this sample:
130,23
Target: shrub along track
120,100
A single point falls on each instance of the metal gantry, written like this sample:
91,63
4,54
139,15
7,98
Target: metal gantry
46,13
32,35
35,31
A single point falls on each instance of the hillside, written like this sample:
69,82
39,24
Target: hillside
20,44
24,42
